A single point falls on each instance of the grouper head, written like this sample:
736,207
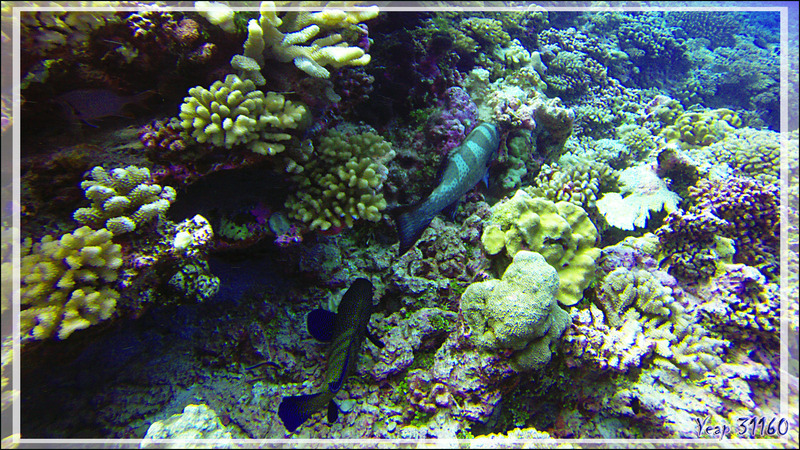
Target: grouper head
345,330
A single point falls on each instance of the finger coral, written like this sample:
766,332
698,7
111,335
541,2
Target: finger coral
233,112
123,199
308,39
65,283
342,183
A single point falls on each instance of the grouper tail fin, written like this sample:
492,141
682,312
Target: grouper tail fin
295,410
411,223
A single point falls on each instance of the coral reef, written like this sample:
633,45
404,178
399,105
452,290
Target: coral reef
66,283
561,232
233,112
517,312
343,182
123,200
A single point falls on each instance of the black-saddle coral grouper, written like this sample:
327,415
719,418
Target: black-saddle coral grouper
466,165
346,331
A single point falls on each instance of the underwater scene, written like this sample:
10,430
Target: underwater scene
324,222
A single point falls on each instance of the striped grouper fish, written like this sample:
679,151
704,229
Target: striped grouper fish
346,331
466,166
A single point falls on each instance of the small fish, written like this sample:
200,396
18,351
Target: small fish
92,104
466,166
346,331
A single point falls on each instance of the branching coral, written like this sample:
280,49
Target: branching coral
517,312
752,209
65,283
755,152
692,244
571,179
342,184
590,340
233,112
289,38
702,128
741,304
123,200
561,232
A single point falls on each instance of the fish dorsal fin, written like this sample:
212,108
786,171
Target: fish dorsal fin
320,324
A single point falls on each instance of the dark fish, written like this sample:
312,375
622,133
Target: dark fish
346,331
93,104
466,165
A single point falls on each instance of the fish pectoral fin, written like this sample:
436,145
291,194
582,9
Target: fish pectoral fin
450,210
319,323
333,412
374,339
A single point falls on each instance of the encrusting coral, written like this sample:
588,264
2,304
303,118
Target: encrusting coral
561,232
517,312
289,38
233,112
342,183
123,200
65,283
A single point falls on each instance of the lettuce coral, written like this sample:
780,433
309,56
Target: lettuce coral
519,311
123,199
646,193
65,283
342,182
233,112
561,232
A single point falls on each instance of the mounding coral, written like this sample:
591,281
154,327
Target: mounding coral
561,232
517,312
123,200
66,283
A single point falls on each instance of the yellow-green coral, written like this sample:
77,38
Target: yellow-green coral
518,311
754,152
561,232
342,183
65,282
233,112
702,128
289,38
622,288
123,199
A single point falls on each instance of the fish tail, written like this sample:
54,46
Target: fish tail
411,224
295,410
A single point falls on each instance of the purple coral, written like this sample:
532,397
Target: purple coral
752,208
457,118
